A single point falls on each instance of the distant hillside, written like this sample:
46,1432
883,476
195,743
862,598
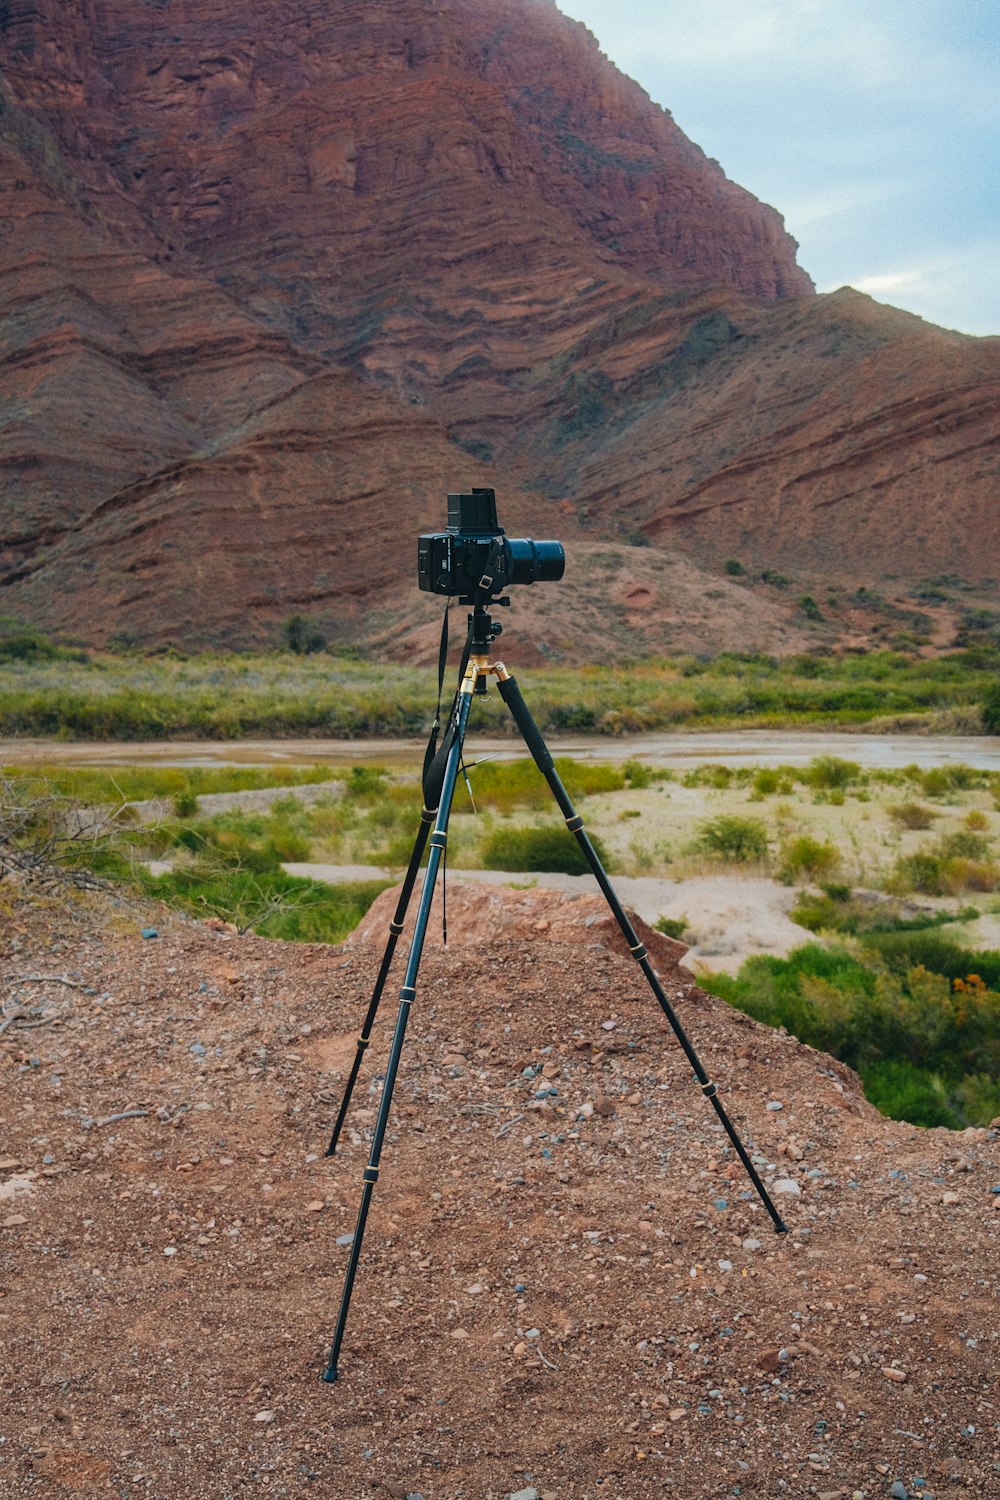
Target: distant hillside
274,281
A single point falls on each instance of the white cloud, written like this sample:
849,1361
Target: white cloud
872,126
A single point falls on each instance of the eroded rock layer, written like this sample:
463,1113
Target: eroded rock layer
272,282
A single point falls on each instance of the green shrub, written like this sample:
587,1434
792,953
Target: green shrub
828,772
991,710
911,814
269,902
550,848
674,927
916,872
768,781
902,1091
303,635
901,951
637,774
734,838
808,858
886,1007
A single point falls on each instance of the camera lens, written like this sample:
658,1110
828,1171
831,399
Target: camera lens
535,562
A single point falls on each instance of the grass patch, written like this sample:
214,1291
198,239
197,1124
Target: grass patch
551,848
269,902
73,695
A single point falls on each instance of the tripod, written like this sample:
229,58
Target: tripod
439,789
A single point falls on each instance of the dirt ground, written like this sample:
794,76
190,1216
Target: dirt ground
567,1288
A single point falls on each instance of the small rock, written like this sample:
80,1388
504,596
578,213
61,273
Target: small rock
898,1490
316,1206
459,1333
608,1025
751,1245
774,1105
891,1373
264,1416
787,1186
529,1494
950,1198
345,1239
14,1221
150,932
676,1412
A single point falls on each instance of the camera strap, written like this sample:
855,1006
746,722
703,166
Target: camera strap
433,774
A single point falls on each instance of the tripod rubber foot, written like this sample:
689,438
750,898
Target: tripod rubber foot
329,1374
780,1228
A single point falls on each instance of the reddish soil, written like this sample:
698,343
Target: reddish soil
570,1295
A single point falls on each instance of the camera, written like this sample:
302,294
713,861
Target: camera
474,560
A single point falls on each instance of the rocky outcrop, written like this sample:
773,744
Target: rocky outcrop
270,286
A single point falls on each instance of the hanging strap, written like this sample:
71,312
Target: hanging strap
432,743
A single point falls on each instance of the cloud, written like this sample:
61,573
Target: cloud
870,125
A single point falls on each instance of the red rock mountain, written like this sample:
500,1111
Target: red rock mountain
276,278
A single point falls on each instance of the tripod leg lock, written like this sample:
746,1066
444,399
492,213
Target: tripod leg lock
575,823
709,1090
396,928
438,839
371,1174
407,995
638,952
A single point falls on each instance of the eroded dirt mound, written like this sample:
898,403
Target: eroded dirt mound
565,1287
478,916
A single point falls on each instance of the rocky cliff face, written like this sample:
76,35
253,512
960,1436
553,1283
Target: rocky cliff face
274,281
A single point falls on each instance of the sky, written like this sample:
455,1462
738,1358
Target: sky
872,126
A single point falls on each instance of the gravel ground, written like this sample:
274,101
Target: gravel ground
566,1288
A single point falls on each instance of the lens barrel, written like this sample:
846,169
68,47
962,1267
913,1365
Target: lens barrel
534,562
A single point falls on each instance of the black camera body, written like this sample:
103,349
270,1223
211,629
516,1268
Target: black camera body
474,561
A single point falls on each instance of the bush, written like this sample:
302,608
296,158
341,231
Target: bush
674,927
828,772
809,858
926,1044
734,838
991,710
902,1091
551,848
911,814
303,635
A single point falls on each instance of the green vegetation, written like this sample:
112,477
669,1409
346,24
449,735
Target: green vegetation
51,690
915,1015
991,709
271,903
551,848
886,986
734,838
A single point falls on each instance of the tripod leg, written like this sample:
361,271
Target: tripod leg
395,930
407,994
511,694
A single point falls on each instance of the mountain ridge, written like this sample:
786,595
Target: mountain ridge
269,292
